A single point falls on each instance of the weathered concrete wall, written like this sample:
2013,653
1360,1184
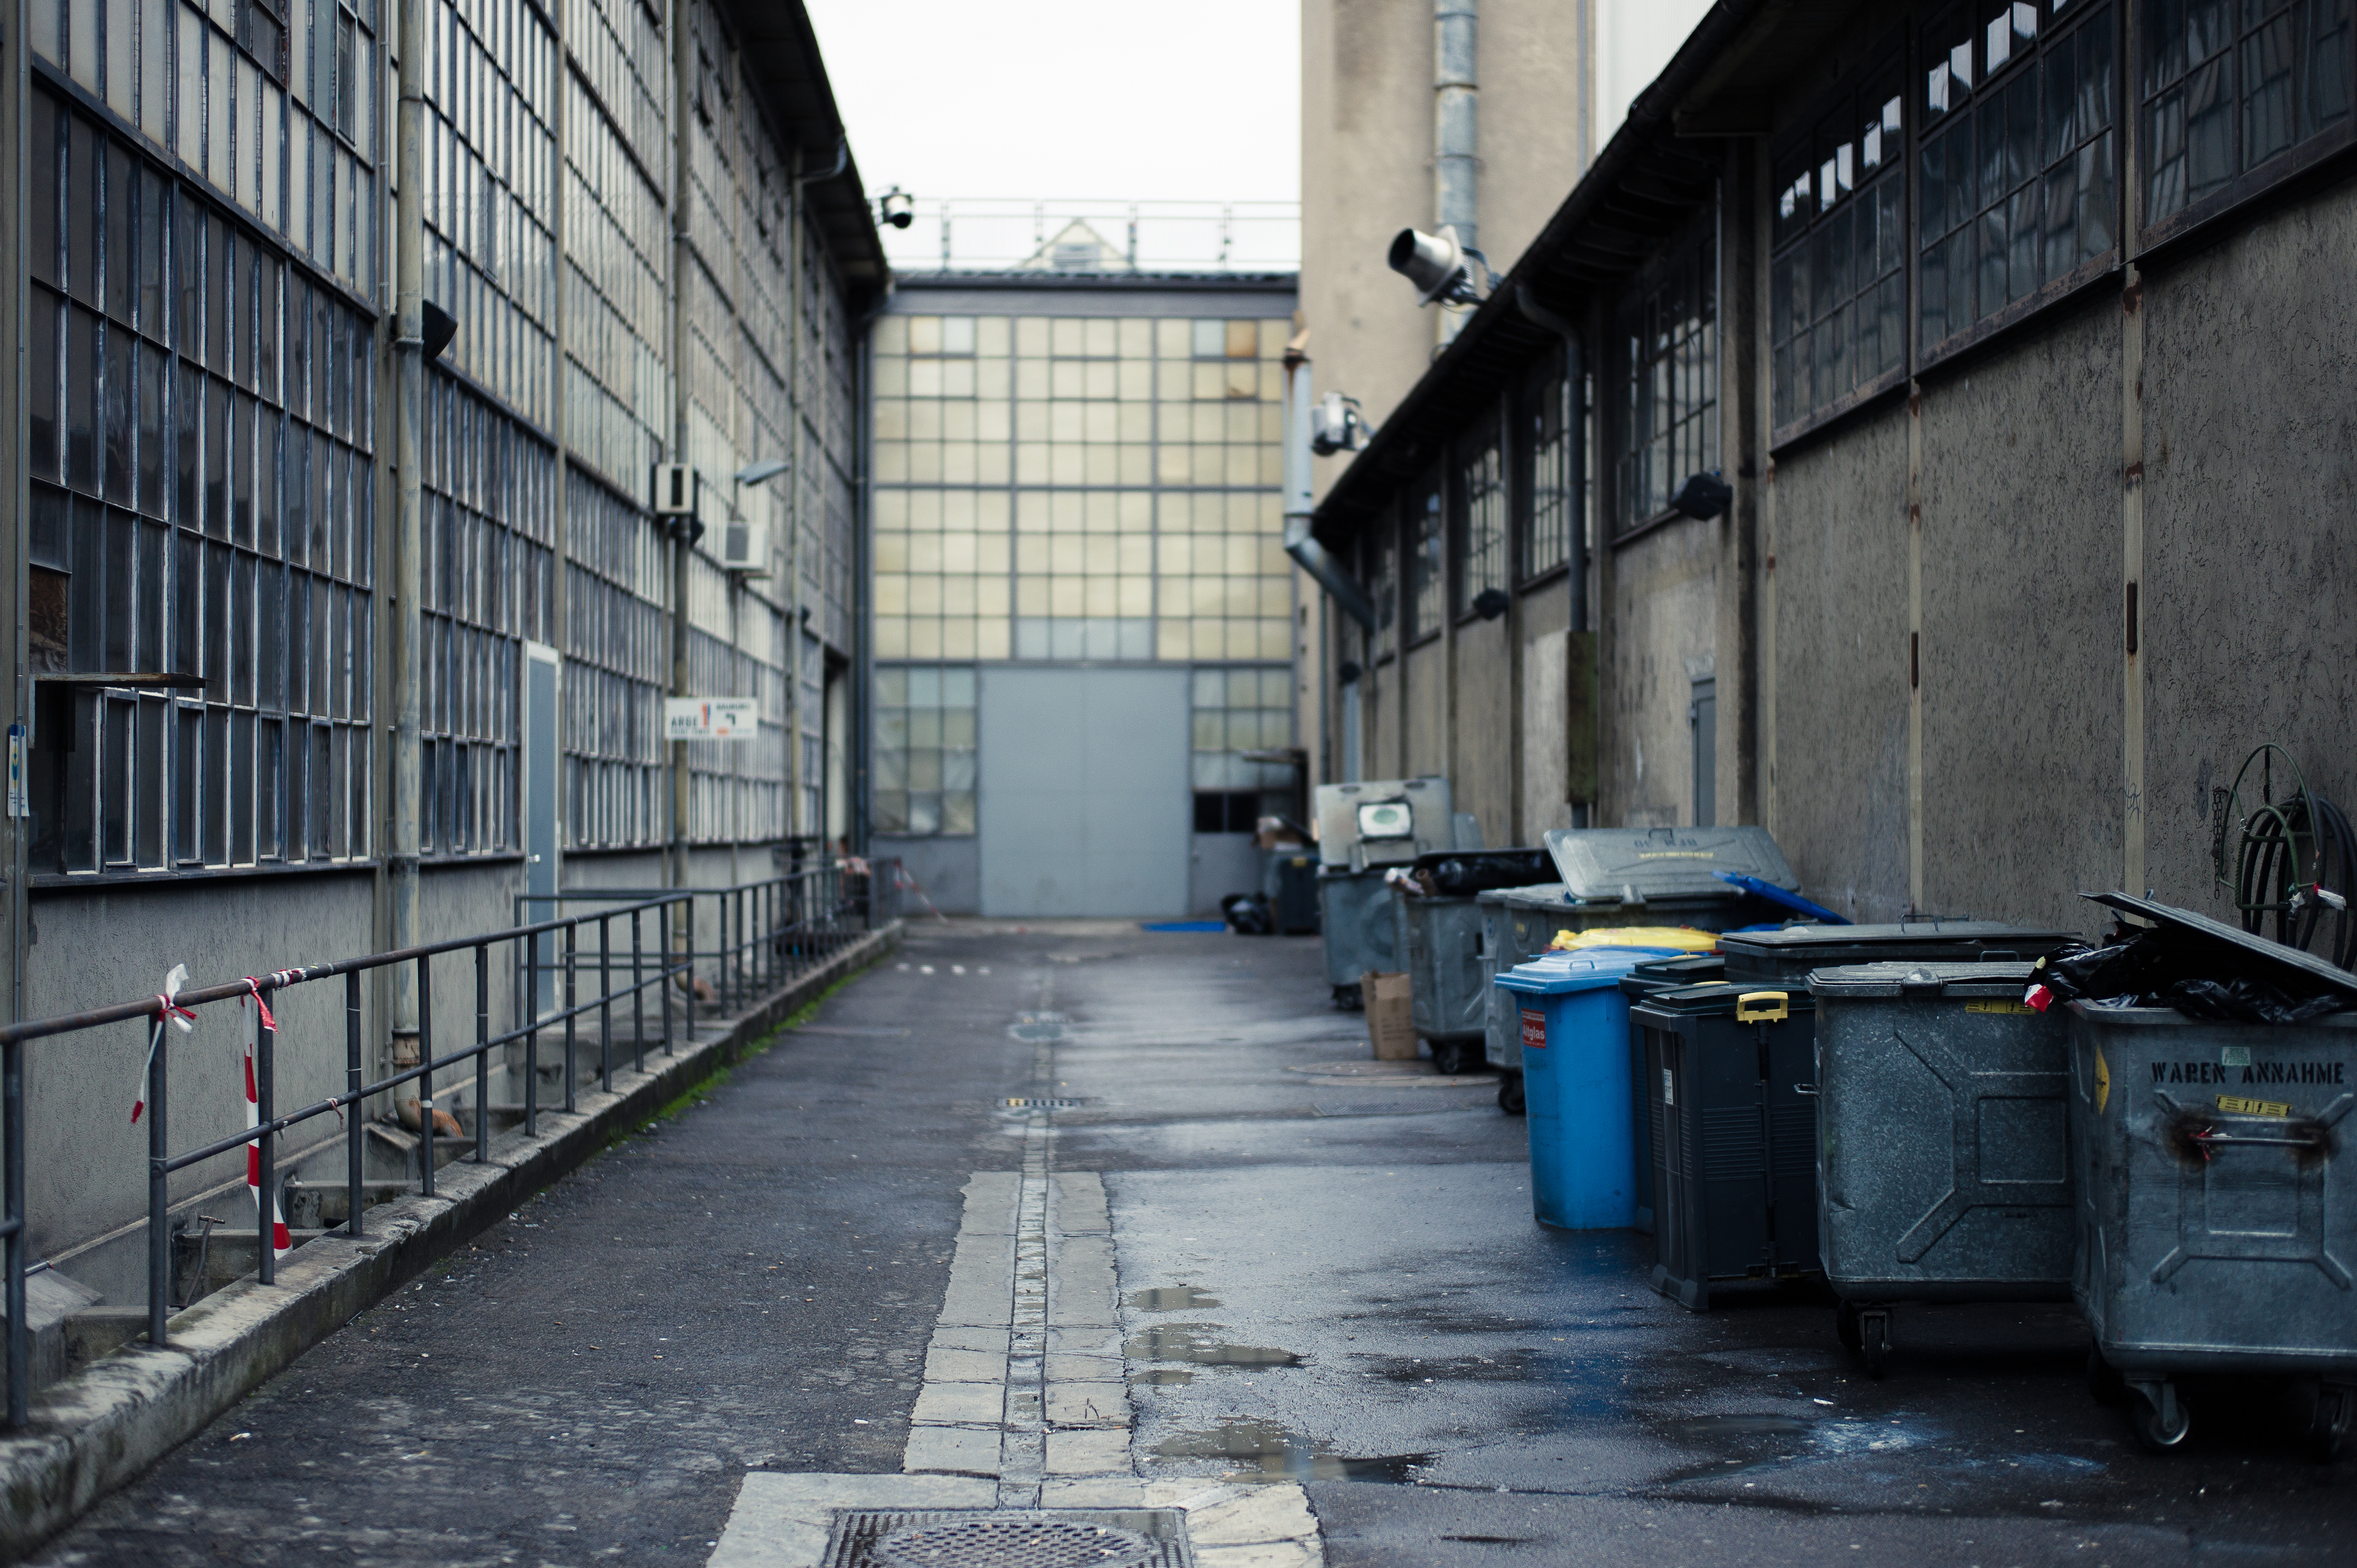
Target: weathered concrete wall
2021,626
2249,630
1481,773
1546,615
1839,792
1428,710
1661,607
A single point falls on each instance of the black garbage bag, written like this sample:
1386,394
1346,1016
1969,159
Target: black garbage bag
1247,914
2198,976
1467,872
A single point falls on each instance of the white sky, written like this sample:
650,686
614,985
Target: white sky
1132,100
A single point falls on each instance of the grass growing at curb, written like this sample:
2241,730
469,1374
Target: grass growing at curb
701,1090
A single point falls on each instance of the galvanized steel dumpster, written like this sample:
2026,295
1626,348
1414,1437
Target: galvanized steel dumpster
1943,1162
1735,1167
1354,914
1786,956
1362,829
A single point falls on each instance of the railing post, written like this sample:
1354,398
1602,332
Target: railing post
663,968
482,1053
637,994
605,1003
353,1132
160,1236
12,1127
425,1074
532,1063
687,1006
264,1152
572,948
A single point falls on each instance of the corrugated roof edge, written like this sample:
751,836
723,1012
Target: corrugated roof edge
781,54
1368,482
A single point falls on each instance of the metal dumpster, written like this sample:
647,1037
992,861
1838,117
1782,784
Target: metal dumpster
1644,1109
2217,1197
1786,956
1941,1157
1362,829
1735,1167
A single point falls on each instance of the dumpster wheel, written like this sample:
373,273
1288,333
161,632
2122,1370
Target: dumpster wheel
1451,1057
2336,1410
1510,1093
2160,1421
1873,1337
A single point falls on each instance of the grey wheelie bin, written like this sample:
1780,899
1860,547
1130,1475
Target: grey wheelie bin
1943,1163
2217,1195
1362,828
1438,937
1645,1109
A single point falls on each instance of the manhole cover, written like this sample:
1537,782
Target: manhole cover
1013,1539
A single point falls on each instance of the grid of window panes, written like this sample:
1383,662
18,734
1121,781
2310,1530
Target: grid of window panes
1379,564
735,789
490,517
618,667
617,227
1079,487
924,750
1482,521
272,102
1551,493
197,431
2020,181
490,90
1427,561
2229,85
1234,711
1837,289
1668,413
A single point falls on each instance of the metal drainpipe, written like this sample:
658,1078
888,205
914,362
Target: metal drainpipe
1455,135
683,69
1299,544
408,574
796,217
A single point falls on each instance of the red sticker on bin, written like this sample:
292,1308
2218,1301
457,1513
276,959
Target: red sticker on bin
1534,1031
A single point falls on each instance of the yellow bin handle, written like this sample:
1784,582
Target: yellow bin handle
1763,1007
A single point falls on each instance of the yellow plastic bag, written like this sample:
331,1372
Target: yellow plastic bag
1680,939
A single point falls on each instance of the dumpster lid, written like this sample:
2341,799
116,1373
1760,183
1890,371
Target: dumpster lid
1906,941
1670,973
1591,968
2309,965
1548,893
1723,996
1898,977
1634,865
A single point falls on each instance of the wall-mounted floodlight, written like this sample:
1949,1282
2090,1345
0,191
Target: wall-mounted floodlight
1703,496
767,469
1436,266
1336,425
896,208
1491,603
439,327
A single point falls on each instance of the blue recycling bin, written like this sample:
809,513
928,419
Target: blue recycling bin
1574,1036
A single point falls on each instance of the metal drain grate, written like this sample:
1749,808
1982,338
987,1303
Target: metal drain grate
1015,1102
1062,1537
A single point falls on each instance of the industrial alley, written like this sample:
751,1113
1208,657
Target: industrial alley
1094,1218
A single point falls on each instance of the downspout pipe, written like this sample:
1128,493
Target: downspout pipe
1456,132
1300,543
408,572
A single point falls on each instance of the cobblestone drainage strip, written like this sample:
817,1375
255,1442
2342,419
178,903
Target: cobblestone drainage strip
1104,1538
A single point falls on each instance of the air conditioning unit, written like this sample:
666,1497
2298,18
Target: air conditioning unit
675,487
744,547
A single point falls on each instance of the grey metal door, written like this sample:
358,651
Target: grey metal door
1083,802
1703,714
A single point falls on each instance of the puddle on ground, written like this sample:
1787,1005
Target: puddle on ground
1038,1027
1263,1451
1168,1377
1171,1298
1200,1343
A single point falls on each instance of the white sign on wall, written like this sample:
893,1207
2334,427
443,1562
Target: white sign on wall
710,718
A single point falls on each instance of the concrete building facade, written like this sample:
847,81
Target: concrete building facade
1085,625
646,231
2016,337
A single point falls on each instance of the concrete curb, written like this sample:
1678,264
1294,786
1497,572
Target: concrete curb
100,1428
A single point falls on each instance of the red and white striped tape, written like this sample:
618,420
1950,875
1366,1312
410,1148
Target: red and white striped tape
281,1243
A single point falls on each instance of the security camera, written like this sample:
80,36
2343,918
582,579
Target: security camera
1336,425
1435,264
896,208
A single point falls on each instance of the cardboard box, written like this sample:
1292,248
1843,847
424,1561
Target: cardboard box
1391,1027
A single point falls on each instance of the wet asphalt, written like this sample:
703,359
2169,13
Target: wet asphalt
1335,1284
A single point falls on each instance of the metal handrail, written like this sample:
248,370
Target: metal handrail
808,903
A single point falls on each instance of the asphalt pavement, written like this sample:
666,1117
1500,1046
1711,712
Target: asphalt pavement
1326,1281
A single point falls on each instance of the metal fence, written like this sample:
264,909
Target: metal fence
770,933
